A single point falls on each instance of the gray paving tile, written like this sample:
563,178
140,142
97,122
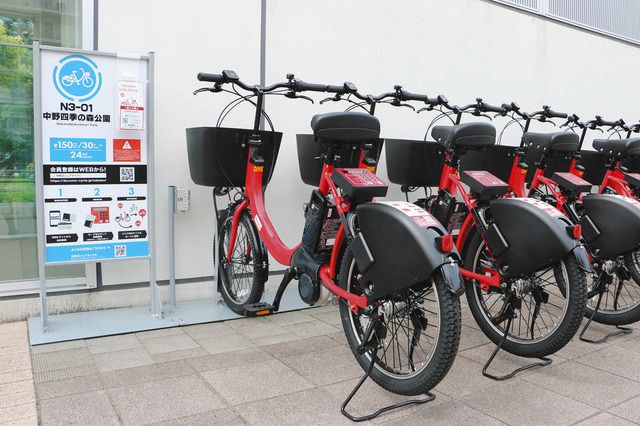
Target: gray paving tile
229,359
13,327
113,343
19,347
290,318
314,406
464,378
224,416
83,409
15,362
312,329
301,346
122,359
576,348
221,344
18,398
163,400
448,413
65,373
203,331
616,360
339,337
70,386
277,338
251,382
178,355
332,318
321,309
15,387
605,419
144,374
629,410
585,384
256,327
15,376
632,344
326,366
14,341
472,338
61,346
19,414
58,360
159,333
171,343
527,404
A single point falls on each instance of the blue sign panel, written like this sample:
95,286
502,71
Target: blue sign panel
78,149
88,252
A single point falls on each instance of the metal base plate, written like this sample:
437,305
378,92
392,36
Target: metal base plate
84,325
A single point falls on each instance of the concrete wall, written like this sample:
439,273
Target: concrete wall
460,48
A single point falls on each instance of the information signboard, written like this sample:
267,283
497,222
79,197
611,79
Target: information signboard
94,156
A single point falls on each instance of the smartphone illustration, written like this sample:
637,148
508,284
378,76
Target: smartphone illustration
54,218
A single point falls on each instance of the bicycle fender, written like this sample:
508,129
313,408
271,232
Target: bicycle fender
536,234
617,218
402,249
452,278
582,257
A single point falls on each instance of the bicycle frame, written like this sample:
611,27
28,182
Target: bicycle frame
254,202
450,181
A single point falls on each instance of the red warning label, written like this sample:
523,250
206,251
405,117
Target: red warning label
127,150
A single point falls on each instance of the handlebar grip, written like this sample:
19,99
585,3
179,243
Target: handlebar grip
336,89
415,97
491,108
553,114
213,78
301,86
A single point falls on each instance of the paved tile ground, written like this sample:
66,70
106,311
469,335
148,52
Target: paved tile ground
295,368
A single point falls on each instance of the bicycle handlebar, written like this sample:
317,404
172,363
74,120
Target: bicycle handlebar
212,78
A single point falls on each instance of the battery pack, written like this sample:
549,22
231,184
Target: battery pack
321,224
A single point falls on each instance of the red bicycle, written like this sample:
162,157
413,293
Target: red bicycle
391,265
612,298
523,261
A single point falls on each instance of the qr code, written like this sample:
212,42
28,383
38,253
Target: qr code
119,251
127,174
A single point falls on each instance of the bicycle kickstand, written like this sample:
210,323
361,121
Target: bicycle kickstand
544,361
621,330
343,409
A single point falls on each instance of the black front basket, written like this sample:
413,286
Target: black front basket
218,155
414,162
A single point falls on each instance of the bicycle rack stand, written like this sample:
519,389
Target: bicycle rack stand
544,361
621,330
429,397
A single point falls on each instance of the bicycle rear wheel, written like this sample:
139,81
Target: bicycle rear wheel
548,304
421,335
240,279
620,304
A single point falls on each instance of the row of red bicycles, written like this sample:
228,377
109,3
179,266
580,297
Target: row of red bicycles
520,230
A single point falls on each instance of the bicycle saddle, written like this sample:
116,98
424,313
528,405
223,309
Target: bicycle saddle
345,126
558,141
466,135
618,147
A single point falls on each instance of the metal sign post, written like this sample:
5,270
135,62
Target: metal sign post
95,182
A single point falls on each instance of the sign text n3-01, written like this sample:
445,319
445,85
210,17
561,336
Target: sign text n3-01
70,106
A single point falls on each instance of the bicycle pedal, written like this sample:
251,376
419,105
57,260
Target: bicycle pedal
259,309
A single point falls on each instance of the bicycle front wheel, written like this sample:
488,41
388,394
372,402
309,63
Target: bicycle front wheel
241,277
420,341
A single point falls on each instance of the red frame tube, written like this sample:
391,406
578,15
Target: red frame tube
269,236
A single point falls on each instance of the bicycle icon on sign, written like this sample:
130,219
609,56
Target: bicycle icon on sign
72,78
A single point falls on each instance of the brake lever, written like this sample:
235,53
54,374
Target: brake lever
294,95
335,98
397,103
428,108
214,89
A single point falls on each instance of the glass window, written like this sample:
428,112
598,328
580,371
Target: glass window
54,23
